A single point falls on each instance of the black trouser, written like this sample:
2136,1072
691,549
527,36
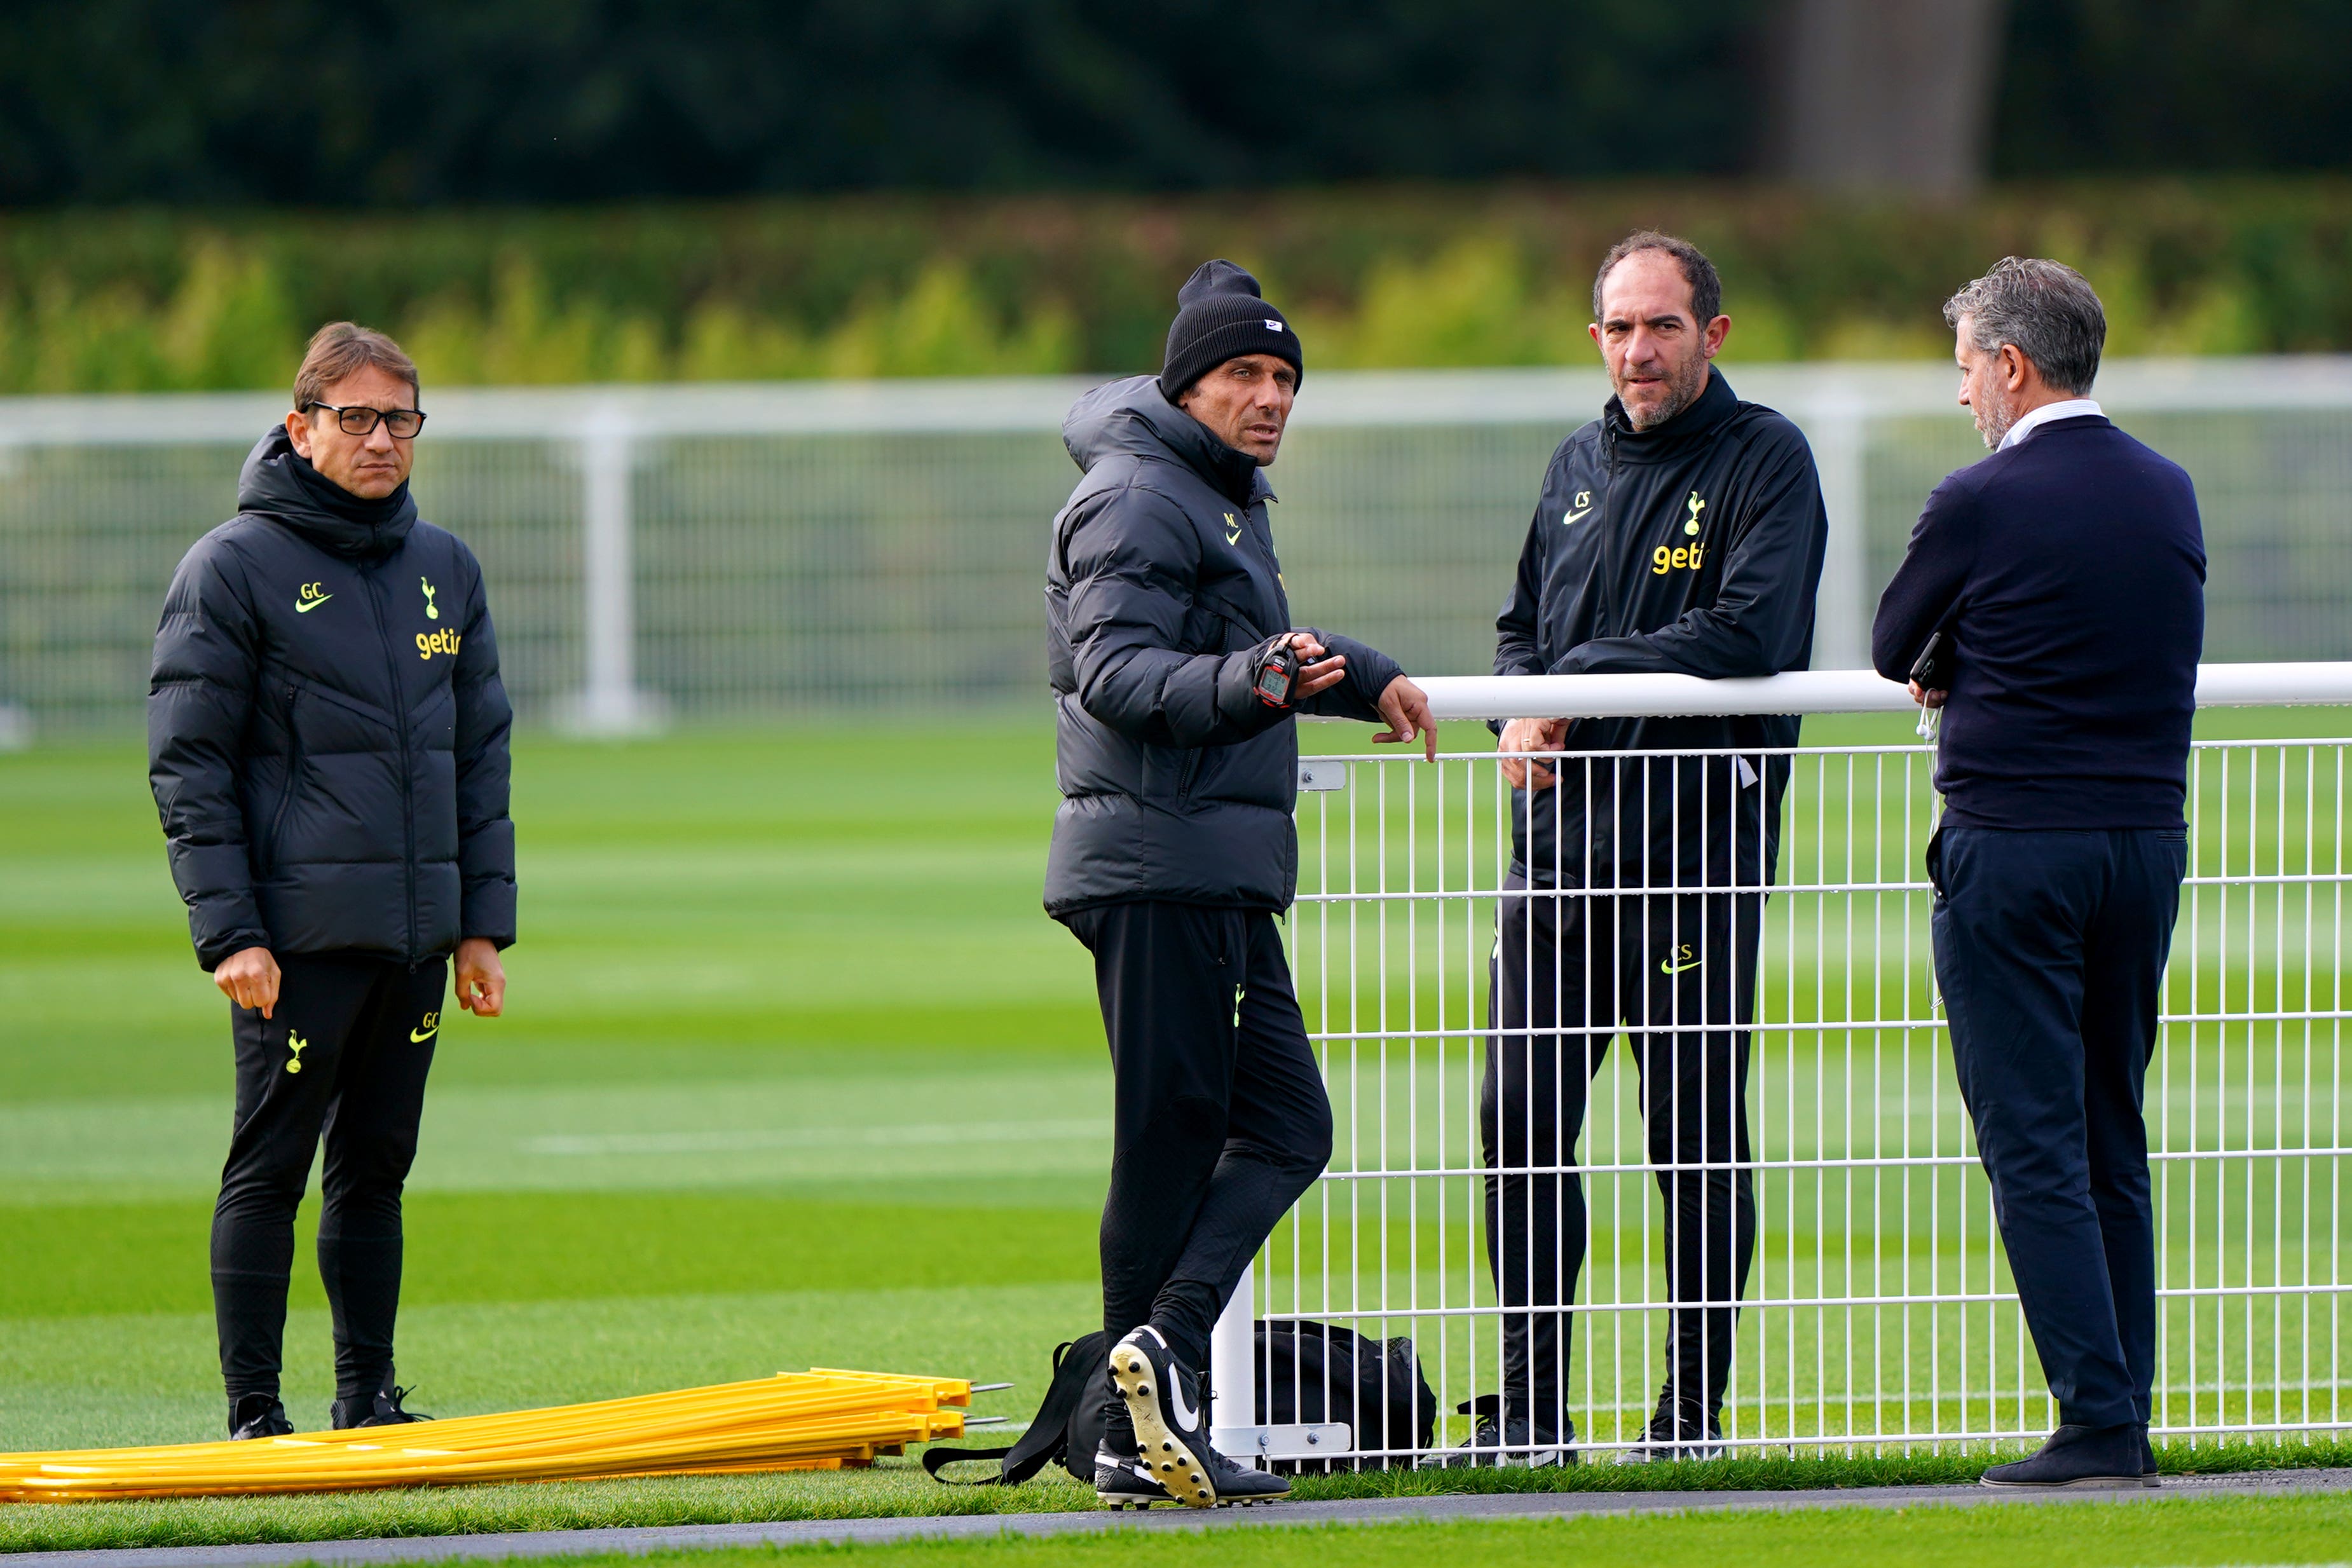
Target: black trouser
2050,953
1220,1119
365,1028
1679,971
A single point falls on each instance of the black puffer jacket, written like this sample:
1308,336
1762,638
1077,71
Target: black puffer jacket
326,730
1694,548
1163,584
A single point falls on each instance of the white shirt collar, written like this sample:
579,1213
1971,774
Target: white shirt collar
2070,408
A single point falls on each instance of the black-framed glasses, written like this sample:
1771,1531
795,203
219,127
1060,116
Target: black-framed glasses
404,422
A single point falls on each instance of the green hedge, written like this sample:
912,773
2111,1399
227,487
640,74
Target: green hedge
907,285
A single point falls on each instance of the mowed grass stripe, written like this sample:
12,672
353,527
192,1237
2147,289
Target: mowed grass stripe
2187,1532
91,1259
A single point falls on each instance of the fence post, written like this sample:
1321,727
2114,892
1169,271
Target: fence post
610,702
1838,431
1233,1379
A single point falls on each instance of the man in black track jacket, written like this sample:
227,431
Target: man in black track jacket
1680,532
1174,848
327,740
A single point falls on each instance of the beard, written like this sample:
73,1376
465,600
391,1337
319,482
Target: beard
1682,388
1994,417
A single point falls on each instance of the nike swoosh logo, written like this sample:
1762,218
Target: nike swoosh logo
1572,517
420,1038
313,604
1234,538
1186,1416
1679,969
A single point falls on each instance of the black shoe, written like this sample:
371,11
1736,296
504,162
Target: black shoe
1123,1480
2083,1456
1515,1440
1236,1482
381,1408
2147,1455
1675,1438
257,1416
1172,1429
1658,1450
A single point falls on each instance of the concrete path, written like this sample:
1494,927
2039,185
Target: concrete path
1377,1510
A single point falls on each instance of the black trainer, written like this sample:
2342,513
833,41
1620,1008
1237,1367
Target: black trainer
2082,1457
1123,1480
1678,1434
257,1416
1172,1429
382,1408
1515,1443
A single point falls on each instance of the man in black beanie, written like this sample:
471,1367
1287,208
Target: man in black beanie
1177,674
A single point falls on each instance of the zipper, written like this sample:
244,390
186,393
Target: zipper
1607,525
293,779
407,766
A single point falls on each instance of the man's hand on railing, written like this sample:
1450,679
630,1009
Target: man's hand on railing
1406,708
1531,735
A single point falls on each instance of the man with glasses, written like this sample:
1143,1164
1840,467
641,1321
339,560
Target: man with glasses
327,741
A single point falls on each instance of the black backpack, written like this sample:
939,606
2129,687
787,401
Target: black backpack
1318,1373
1067,1428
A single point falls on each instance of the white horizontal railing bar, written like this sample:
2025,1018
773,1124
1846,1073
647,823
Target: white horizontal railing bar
1785,1304
1810,393
1636,890
1568,1032
1775,1405
1771,1026
1812,691
1794,1163
2272,686
1818,889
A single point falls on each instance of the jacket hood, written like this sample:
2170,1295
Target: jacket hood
1134,417
1716,402
278,482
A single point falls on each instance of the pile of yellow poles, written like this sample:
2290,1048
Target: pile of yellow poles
819,1419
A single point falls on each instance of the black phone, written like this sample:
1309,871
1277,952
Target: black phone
1932,668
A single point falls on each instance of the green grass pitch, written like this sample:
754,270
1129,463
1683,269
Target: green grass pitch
795,1071
2215,1531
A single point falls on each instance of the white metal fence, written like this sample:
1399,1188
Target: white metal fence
750,549
1879,1313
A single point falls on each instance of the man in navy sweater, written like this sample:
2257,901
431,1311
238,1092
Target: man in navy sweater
2064,577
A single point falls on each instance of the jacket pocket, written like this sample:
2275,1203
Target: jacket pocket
1188,777
271,845
1169,771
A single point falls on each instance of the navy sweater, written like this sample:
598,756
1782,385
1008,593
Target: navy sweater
2068,573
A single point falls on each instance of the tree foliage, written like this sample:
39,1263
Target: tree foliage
440,100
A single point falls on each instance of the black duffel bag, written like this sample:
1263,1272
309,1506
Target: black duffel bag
1310,1372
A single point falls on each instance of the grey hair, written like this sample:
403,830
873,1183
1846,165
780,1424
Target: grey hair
2044,309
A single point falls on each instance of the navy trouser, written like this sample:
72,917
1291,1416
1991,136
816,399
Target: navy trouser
2050,952
1678,972
345,1056
1219,1116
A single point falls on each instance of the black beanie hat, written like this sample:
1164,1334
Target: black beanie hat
1220,316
